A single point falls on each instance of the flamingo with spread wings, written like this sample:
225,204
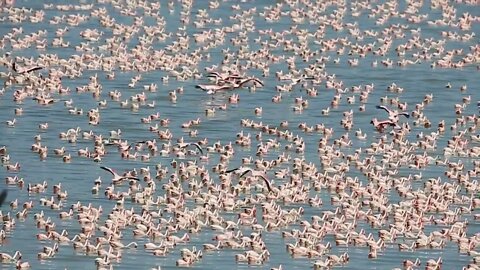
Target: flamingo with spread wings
381,125
184,145
116,177
242,171
20,70
228,85
393,115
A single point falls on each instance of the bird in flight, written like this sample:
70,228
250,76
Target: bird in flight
228,85
20,70
242,171
223,77
381,125
244,81
118,178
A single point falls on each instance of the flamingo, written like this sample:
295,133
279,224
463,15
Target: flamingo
434,264
185,252
45,255
185,261
212,88
5,257
153,246
116,177
223,76
381,125
20,70
410,264
48,249
392,115
242,82
184,145
105,261
322,264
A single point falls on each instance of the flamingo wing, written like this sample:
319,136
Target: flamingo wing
31,69
267,182
384,108
14,66
198,147
108,170
245,172
231,170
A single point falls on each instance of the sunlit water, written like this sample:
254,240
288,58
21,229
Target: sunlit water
77,177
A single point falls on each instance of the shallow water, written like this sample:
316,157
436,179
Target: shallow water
77,177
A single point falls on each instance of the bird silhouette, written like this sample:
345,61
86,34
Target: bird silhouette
3,197
20,70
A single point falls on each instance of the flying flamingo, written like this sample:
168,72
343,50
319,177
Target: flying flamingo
184,145
393,115
245,170
116,177
381,125
20,70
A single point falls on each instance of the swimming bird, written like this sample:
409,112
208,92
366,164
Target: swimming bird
409,264
242,82
184,145
228,85
223,77
120,245
11,123
118,178
327,264
23,265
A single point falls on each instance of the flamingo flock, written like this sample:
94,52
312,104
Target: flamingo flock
298,169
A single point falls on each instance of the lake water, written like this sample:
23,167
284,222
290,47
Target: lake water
77,177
